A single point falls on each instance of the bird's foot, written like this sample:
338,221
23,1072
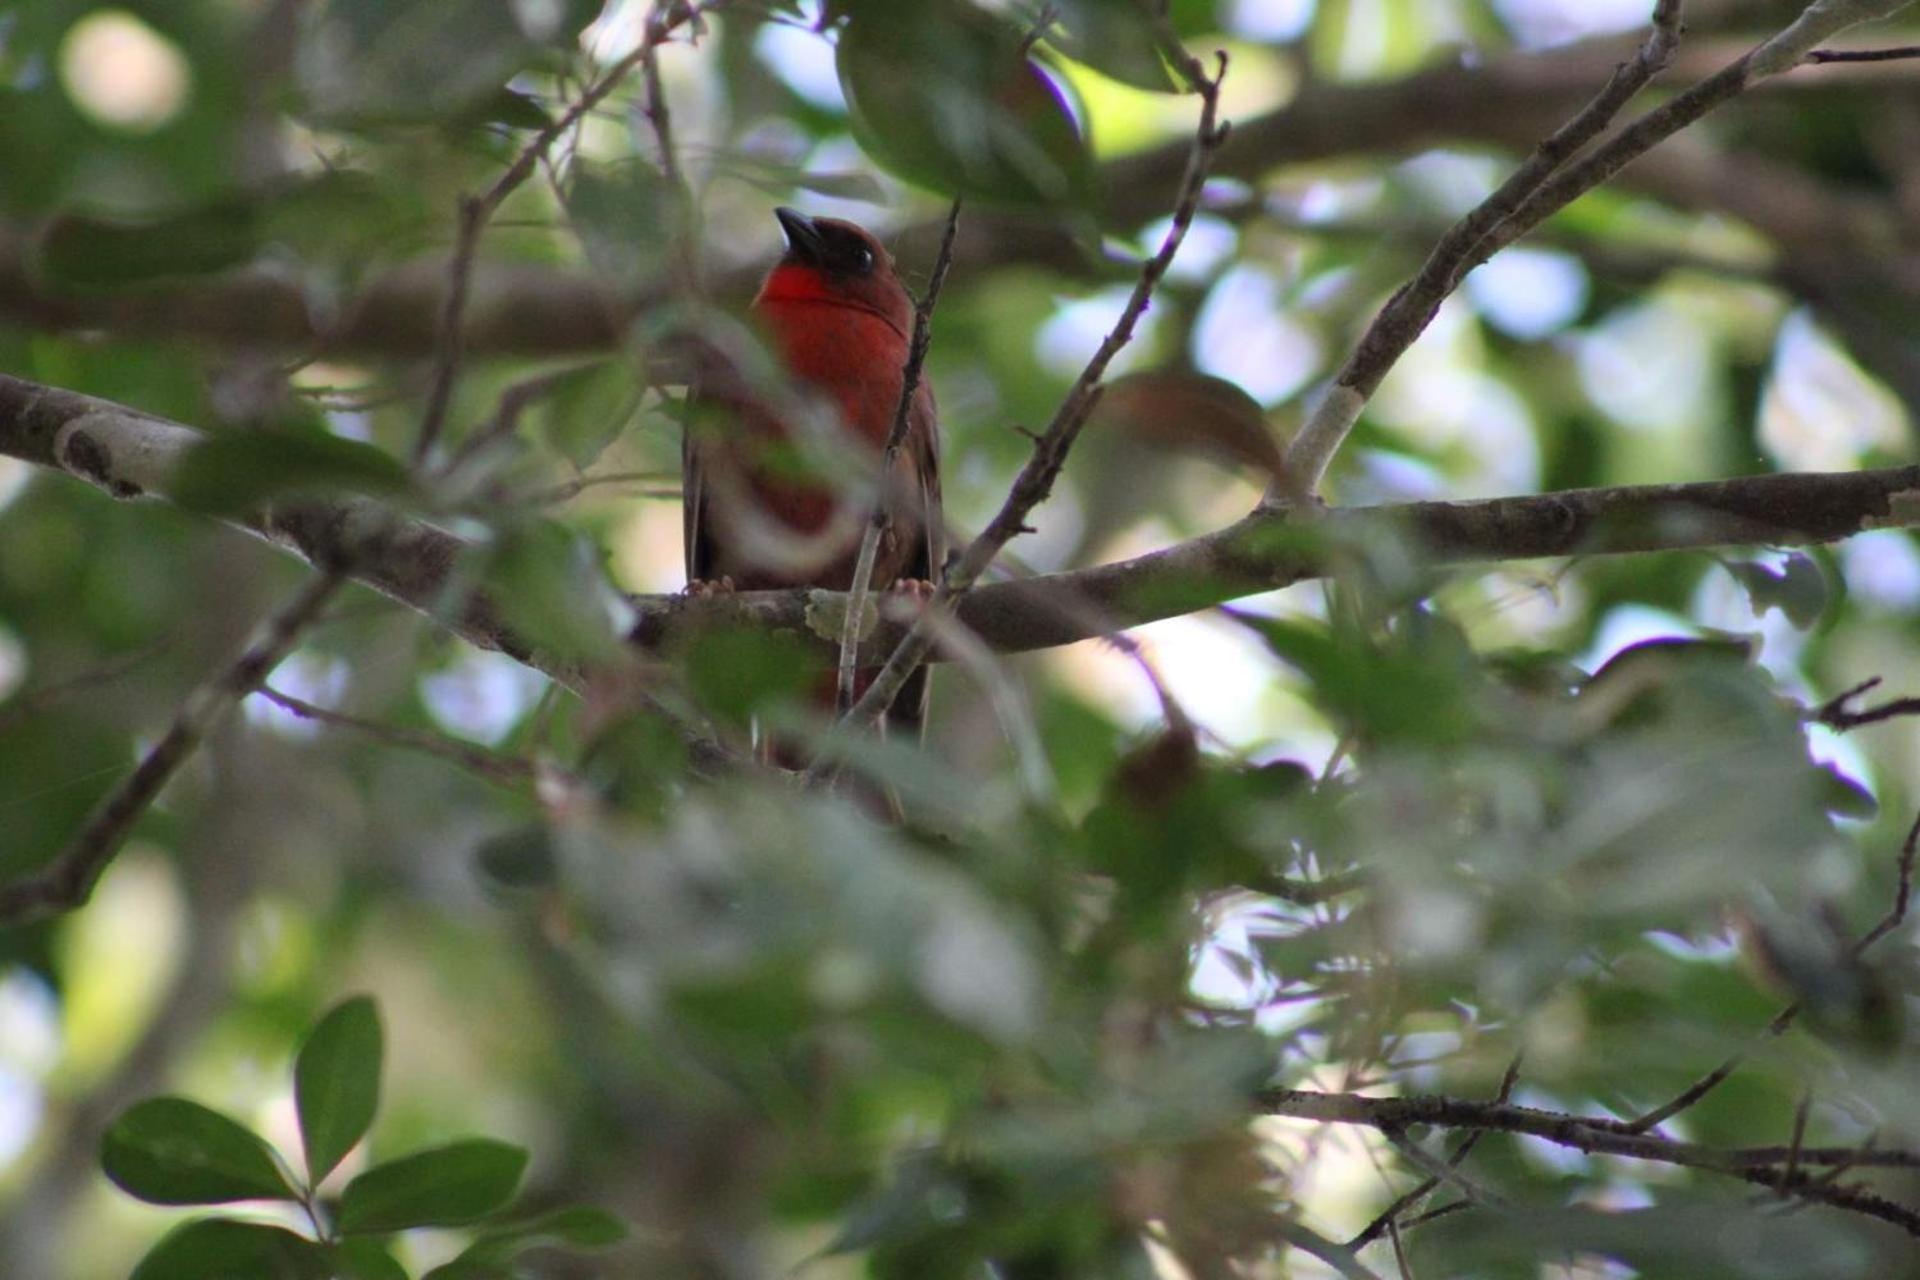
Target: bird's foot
907,598
918,590
707,588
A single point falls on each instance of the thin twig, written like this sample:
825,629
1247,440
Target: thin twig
1035,481
494,767
514,401
1836,715
475,211
1791,1172
661,20
1407,314
30,702
1446,1171
1401,322
882,516
68,880
1756,1165
1399,1250
1331,1252
1902,896
1898,54
1388,1218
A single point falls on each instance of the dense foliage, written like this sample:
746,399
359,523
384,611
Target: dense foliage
1200,944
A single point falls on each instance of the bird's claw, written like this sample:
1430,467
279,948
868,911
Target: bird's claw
707,588
910,595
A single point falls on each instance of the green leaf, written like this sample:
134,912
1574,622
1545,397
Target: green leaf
222,1249
520,858
778,179
364,1260
942,95
444,1187
576,1227
623,217
345,216
175,1151
587,409
549,586
232,473
1115,38
1797,588
737,672
80,249
365,62
336,1083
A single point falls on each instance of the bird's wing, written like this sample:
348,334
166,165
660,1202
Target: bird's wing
697,540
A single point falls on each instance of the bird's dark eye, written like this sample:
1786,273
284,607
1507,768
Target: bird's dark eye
860,258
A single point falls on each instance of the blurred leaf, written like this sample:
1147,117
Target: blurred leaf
778,179
1191,413
737,672
577,1227
522,858
346,217
336,1083
1114,37
364,1260
1416,684
444,1187
1797,588
174,1151
222,1249
940,94
623,215
549,586
1698,1235
236,472
1847,797
80,249
362,62
589,407
514,109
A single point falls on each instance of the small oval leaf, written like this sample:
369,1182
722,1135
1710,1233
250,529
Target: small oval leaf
222,1249
175,1151
336,1083
443,1187
943,95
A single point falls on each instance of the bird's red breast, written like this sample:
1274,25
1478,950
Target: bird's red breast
839,321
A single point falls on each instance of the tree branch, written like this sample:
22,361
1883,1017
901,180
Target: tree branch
527,309
503,770
1758,1165
1687,1097
129,454
68,880
1542,186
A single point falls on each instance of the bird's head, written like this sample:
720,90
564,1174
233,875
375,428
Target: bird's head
835,262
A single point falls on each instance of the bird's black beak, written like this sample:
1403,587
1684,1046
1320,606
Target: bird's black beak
803,237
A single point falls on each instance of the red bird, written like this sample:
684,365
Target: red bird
762,513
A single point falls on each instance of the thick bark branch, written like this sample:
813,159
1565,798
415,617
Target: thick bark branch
129,454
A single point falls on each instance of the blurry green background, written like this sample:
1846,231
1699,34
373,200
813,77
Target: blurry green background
1746,300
